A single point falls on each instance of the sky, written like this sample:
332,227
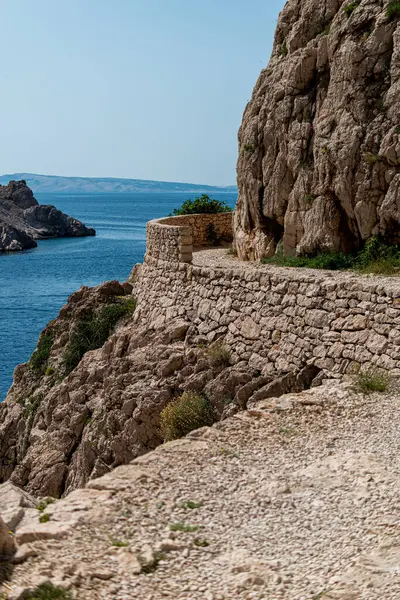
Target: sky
145,89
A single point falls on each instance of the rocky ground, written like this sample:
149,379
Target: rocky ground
295,499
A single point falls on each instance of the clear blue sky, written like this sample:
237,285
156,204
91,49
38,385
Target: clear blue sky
150,89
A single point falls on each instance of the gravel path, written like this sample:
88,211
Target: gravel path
219,258
296,500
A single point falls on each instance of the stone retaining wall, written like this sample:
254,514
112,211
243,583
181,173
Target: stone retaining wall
173,238
279,319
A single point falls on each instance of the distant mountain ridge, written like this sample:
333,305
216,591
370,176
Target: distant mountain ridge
96,185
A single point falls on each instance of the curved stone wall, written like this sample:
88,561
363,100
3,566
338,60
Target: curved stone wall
174,238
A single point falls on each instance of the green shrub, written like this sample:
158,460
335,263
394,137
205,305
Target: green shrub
93,331
189,504
31,405
376,257
350,8
183,527
371,158
47,591
43,504
393,10
118,543
249,148
310,198
202,205
330,260
283,49
373,380
44,518
218,355
380,105
201,543
397,130
184,414
39,358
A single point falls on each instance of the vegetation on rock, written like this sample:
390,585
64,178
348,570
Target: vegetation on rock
218,354
373,380
93,331
184,414
44,518
183,527
350,8
202,205
38,360
31,404
47,591
376,257
393,9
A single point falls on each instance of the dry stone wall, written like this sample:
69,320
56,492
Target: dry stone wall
278,319
173,238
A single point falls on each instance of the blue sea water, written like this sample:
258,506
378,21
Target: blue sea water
35,284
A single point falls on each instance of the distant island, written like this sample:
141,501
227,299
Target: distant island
23,220
97,185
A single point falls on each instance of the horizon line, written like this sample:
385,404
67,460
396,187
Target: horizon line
116,178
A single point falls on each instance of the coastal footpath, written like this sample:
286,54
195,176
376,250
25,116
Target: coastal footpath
285,482
291,493
293,500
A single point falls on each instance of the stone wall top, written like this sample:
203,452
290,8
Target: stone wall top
174,238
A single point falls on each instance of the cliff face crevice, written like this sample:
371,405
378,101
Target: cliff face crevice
319,145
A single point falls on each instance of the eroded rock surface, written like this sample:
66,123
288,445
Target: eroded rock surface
7,546
23,220
319,146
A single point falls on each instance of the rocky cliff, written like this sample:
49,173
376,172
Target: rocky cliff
319,145
23,220
78,410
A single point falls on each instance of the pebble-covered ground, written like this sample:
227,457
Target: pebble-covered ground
298,500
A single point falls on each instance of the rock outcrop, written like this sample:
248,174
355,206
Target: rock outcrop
7,546
58,429
319,146
23,220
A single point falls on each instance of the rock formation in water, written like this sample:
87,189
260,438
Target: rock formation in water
23,220
319,145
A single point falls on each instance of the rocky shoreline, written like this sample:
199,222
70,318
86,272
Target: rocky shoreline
23,220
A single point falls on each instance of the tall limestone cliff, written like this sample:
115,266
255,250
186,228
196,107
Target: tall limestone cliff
319,146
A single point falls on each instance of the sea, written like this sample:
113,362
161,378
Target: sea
35,284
